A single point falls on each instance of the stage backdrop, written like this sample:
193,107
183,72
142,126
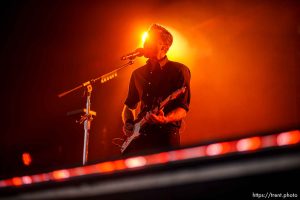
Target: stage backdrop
243,57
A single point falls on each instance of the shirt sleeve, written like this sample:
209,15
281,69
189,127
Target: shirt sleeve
132,96
183,100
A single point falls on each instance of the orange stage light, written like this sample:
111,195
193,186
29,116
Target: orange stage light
41,177
61,174
144,37
222,148
287,138
135,162
180,50
106,167
26,179
217,149
119,164
248,144
195,152
26,158
17,181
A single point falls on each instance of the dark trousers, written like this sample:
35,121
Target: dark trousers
154,141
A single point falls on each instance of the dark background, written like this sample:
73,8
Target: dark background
243,56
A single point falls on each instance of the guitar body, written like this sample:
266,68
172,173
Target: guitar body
136,133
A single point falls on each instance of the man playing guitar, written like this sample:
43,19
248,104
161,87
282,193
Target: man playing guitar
149,85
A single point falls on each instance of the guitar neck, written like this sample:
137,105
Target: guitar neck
156,109
164,103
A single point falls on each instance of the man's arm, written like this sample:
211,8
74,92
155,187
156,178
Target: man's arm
127,118
175,115
127,114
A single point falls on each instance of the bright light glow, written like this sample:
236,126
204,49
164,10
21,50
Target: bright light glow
26,179
214,149
248,144
90,169
217,148
119,164
287,138
135,162
106,167
79,171
26,158
144,37
16,181
180,50
61,174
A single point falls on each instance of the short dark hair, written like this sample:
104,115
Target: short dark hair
165,35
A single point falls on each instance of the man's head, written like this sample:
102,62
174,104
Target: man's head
158,42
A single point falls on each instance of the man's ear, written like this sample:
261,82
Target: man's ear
165,48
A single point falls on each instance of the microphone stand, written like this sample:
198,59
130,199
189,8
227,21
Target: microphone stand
88,117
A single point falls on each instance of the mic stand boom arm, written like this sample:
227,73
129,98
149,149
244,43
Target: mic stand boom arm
87,118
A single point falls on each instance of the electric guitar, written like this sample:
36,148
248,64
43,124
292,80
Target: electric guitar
139,123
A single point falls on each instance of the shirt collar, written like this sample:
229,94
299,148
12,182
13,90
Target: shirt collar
162,62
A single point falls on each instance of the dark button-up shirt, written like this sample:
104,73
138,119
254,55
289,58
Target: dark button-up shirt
152,83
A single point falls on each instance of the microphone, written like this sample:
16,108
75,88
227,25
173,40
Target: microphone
138,52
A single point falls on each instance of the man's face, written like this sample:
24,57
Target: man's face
154,47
